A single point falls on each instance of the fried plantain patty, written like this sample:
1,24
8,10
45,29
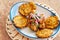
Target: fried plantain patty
27,8
44,33
20,21
52,22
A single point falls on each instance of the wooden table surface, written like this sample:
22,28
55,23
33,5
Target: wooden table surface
5,6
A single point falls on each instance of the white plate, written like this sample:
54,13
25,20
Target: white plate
40,9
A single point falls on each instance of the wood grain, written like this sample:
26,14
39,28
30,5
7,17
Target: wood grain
5,6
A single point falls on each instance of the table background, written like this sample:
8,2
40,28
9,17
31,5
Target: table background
5,6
